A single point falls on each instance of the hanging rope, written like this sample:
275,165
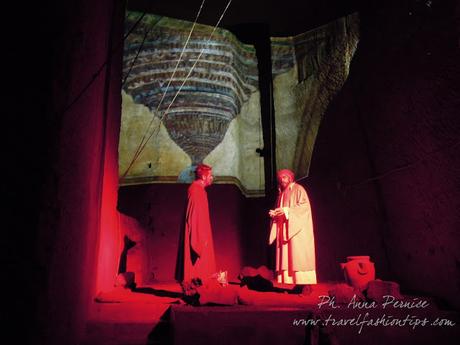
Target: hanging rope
392,171
143,144
134,26
147,130
100,69
137,54
196,61
407,166
180,56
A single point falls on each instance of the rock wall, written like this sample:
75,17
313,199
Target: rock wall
385,170
309,70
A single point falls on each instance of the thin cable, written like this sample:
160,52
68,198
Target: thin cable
99,70
139,147
134,26
261,158
180,88
180,56
141,46
391,171
198,59
301,178
191,70
407,166
177,93
135,58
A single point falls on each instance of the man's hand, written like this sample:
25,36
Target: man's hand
277,212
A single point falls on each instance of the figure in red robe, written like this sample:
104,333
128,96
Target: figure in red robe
198,256
292,227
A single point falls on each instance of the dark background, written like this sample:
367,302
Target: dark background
384,179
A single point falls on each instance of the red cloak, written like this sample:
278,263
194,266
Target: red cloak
199,258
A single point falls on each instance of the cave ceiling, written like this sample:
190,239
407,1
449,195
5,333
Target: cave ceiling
283,18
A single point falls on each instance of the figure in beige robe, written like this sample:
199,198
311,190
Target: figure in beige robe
292,227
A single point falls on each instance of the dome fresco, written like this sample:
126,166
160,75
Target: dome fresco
206,108
221,81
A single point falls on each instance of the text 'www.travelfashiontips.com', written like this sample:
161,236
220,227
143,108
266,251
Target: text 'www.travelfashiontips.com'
388,305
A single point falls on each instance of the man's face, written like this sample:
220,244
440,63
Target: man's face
207,178
284,181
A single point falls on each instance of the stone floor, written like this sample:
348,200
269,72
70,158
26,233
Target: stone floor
123,317
127,318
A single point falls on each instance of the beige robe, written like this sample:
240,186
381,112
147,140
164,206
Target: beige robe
295,244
